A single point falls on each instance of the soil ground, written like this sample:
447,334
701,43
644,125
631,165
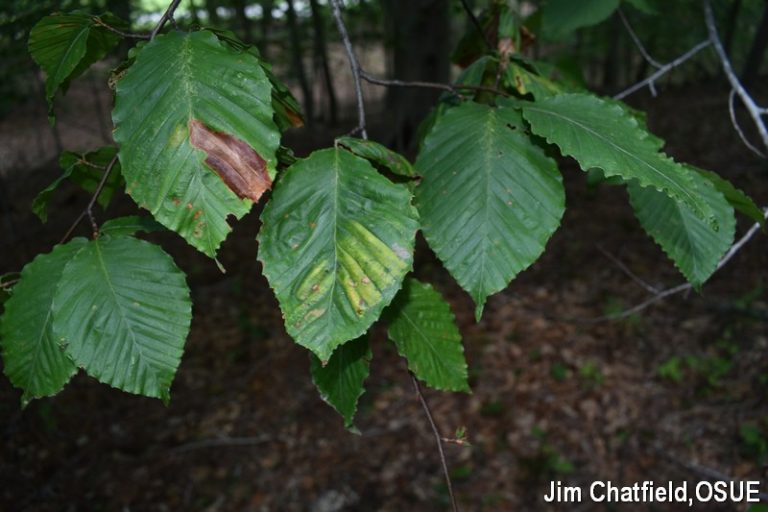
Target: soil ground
661,395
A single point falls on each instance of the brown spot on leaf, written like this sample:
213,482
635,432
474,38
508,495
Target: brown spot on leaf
197,214
189,206
294,118
176,201
243,170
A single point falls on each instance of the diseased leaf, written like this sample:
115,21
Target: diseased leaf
65,45
378,154
336,241
184,85
603,135
561,17
32,358
122,312
694,246
129,226
489,199
241,168
287,109
86,171
423,328
736,197
340,381
526,81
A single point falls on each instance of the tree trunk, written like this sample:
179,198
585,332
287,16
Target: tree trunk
612,61
731,22
321,54
266,26
213,15
420,34
121,9
757,52
193,11
298,62
242,18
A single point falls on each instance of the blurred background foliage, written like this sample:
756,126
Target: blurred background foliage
417,37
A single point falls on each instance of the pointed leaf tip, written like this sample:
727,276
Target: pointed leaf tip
423,328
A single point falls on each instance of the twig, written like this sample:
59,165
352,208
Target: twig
9,284
477,24
439,440
647,56
736,247
663,70
616,261
452,88
354,66
737,126
754,111
167,15
89,208
127,35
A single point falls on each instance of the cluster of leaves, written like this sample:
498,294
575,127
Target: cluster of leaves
198,120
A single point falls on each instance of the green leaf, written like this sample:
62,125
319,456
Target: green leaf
32,358
85,170
694,246
489,199
423,328
122,311
336,241
736,197
65,45
645,6
561,17
603,135
287,109
378,154
193,119
129,226
340,381
525,81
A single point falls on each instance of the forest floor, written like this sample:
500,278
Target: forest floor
672,393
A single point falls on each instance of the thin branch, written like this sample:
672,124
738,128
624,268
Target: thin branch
663,70
438,438
88,212
167,16
477,24
127,35
737,126
647,56
354,66
452,88
736,247
9,284
754,110
616,261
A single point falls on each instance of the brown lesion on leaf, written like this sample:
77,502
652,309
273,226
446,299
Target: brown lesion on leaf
243,170
294,118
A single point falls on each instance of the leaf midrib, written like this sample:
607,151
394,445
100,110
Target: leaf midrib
85,29
612,144
428,341
119,307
